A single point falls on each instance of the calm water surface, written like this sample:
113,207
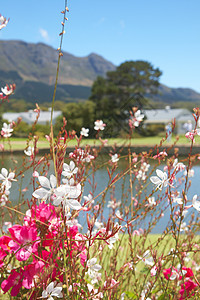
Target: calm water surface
101,179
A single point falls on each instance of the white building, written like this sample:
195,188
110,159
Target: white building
165,116
30,116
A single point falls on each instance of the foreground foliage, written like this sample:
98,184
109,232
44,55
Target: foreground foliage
73,236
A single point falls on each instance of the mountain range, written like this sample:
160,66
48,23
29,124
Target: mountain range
33,68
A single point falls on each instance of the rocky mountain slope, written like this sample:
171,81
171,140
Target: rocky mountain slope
33,68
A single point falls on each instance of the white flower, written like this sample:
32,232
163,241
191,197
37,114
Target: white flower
93,269
118,214
47,189
6,130
183,227
114,158
88,198
84,131
29,151
177,199
146,258
112,240
160,180
3,22
151,201
138,118
122,296
190,173
52,291
73,222
142,172
6,178
7,91
92,266
99,125
113,204
98,224
66,194
178,165
195,203
184,213
69,170
6,226
94,292
4,199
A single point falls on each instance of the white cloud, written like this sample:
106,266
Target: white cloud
44,34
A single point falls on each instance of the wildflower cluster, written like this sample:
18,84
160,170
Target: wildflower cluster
79,235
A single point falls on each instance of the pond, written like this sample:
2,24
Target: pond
120,192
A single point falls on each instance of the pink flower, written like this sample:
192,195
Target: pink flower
171,274
160,154
31,273
111,284
187,289
191,135
13,281
25,241
42,212
35,174
188,272
47,137
136,232
4,248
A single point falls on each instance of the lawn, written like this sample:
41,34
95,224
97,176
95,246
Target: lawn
20,144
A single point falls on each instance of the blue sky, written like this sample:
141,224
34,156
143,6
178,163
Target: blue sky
163,32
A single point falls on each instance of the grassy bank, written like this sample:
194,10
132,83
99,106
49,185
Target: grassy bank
20,144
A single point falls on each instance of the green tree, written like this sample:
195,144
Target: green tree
131,84
78,115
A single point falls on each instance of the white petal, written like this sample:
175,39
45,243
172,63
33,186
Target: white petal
2,177
74,204
160,173
71,165
53,181
96,267
155,180
73,191
40,193
44,294
194,199
57,292
66,167
196,205
4,172
57,201
44,182
50,288
11,175
75,170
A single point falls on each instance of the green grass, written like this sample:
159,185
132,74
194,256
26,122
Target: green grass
20,144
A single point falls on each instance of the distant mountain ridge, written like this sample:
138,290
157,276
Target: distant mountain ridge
170,95
38,62
33,68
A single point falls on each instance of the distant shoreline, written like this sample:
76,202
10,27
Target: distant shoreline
183,150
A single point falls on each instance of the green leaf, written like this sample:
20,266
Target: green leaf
131,295
164,297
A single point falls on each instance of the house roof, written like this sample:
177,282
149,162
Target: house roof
167,115
30,116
